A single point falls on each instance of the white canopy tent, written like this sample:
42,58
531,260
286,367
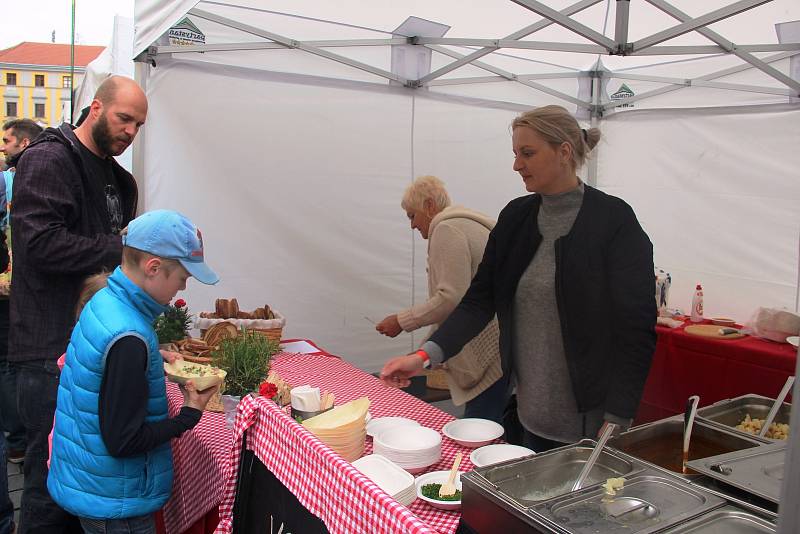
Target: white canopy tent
291,133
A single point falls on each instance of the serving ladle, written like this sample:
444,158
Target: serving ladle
775,407
688,424
587,467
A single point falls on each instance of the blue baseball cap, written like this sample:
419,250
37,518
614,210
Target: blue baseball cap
168,234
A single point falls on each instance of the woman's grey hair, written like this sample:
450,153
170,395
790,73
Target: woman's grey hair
556,125
423,188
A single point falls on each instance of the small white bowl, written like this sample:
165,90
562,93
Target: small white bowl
438,477
793,340
499,452
472,432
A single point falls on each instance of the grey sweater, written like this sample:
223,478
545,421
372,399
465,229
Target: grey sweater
546,402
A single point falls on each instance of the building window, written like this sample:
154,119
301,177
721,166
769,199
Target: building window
38,110
11,79
38,80
66,82
11,109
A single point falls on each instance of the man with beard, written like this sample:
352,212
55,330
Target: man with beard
71,199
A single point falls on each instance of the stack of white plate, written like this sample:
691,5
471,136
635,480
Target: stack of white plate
411,447
389,477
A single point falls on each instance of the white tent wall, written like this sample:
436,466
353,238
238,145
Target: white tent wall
717,191
299,202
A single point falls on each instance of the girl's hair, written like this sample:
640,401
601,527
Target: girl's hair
91,285
423,188
556,125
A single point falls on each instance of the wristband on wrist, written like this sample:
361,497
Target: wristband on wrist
426,360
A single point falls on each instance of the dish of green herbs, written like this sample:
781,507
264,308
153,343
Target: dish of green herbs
431,491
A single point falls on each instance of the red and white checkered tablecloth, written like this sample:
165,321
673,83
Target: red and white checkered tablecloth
199,459
327,485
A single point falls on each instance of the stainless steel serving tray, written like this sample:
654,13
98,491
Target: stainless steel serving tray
725,520
661,442
758,471
527,481
647,503
730,412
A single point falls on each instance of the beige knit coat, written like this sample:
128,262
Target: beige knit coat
457,237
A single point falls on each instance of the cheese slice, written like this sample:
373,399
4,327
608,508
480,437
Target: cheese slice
339,416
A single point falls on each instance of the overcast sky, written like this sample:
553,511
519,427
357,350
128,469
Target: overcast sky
35,20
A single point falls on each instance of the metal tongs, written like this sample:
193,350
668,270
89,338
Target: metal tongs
775,407
688,423
587,467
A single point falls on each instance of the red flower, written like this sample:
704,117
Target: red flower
180,303
267,389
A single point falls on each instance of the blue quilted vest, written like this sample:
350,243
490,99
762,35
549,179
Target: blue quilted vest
84,478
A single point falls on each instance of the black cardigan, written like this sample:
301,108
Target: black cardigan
604,289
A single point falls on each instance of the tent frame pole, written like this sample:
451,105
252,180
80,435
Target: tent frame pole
697,23
524,32
290,43
572,25
729,46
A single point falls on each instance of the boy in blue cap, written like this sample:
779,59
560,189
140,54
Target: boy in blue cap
111,463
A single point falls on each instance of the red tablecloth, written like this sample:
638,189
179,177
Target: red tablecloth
327,485
715,369
199,458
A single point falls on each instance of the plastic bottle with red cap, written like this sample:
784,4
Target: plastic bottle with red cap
697,304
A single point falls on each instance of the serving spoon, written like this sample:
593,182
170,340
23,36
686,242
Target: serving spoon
775,407
449,487
587,467
688,423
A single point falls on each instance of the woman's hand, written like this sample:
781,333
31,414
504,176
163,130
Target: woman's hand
389,326
170,356
197,399
398,371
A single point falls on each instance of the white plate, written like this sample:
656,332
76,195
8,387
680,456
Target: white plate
379,424
793,340
472,432
438,477
499,452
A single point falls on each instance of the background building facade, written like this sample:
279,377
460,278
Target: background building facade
35,80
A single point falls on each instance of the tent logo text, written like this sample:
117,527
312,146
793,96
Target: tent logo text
622,93
186,33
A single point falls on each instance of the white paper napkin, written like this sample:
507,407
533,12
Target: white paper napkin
305,398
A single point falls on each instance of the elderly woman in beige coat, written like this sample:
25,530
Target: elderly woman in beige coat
456,239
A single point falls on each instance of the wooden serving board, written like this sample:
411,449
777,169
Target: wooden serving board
710,330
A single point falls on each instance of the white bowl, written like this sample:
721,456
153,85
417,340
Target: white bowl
438,477
379,424
723,321
499,452
472,432
793,340
407,439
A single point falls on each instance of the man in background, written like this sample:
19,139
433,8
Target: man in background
17,135
71,199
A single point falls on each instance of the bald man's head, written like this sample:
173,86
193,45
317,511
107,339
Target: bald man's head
117,112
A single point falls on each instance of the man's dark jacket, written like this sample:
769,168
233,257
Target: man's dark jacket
604,290
61,233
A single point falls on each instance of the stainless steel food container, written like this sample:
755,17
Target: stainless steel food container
730,412
725,520
647,503
497,498
661,442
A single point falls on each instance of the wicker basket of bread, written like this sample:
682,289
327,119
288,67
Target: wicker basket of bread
264,320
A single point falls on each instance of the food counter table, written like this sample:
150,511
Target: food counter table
323,483
715,369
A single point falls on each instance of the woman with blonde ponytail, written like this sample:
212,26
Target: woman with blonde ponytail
569,272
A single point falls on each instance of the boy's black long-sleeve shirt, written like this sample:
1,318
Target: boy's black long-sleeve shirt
123,404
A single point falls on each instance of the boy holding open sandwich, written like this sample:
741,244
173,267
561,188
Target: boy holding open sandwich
111,463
